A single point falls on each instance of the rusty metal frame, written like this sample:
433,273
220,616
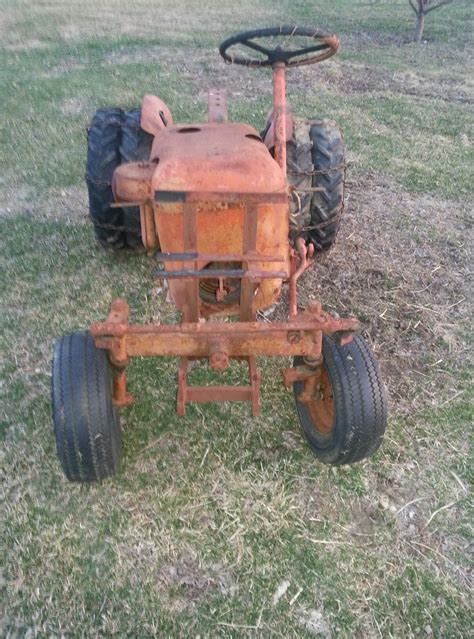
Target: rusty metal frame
250,393
218,342
279,113
248,275
221,342
304,254
227,197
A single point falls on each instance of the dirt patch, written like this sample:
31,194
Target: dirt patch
143,562
314,621
204,68
69,65
15,199
194,580
26,45
134,54
448,88
363,40
69,203
350,78
365,518
402,264
201,68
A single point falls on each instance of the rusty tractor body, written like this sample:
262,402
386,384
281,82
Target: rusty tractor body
195,193
212,200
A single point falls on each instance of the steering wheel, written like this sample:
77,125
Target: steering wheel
324,47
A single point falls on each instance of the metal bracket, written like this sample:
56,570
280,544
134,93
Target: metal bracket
203,394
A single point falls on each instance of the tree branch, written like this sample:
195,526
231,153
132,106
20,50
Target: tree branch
440,4
413,6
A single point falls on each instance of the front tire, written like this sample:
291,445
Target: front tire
86,423
346,420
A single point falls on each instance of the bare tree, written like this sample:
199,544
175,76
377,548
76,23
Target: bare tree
422,8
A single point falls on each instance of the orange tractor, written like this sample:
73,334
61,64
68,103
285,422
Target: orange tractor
230,216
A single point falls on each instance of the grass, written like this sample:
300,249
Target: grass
219,524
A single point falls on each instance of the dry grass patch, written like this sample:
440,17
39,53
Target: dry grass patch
403,265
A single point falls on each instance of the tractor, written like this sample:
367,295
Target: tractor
230,216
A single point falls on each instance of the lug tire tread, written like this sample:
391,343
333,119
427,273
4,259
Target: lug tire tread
317,145
103,157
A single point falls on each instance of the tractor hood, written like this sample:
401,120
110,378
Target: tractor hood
214,157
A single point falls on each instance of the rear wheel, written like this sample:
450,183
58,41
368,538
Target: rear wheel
316,160
114,137
135,146
86,423
345,417
103,157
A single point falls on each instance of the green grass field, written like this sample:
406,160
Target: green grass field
219,524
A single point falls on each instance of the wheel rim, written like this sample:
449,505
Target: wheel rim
321,409
209,287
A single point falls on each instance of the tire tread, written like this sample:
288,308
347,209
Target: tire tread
316,158
86,425
103,157
359,400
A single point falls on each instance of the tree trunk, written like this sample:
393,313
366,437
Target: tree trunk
420,25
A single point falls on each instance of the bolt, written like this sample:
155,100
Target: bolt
312,361
219,361
293,337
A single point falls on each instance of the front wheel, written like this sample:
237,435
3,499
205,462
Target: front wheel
86,423
345,417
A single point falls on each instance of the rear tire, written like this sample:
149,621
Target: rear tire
347,419
86,423
316,159
114,138
327,206
134,147
299,167
103,157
